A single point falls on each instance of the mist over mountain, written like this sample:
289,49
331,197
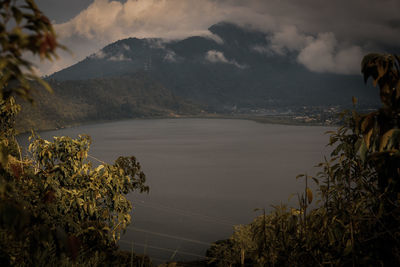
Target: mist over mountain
232,67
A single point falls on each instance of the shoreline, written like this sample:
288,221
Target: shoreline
275,119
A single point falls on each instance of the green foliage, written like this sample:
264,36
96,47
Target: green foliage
23,28
66,202
56,208
356,220
93,198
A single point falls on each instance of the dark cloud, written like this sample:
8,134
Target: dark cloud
326,35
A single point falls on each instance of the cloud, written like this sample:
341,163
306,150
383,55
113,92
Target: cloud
294,26
214,56
170,56
106,20
126,47
215,38
323,55
99,55
156,43
288,39
119,57
262,49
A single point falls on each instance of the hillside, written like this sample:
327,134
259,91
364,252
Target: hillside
127,96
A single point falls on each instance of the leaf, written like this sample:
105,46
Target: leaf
3,63
44,84
367,122
363,151
3,155
385,139
309,195
99,168
91,209
382,68
295,212
354,100
368,65
17,14
367,138
348,248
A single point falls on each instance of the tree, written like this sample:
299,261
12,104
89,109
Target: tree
23,29
55,206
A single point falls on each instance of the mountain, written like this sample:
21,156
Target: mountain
99,99
231,69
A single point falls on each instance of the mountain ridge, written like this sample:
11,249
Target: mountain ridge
217,74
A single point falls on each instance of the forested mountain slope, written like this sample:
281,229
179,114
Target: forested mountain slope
128,96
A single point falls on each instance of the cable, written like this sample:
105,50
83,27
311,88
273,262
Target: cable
168,236
165,249
90,156
184,213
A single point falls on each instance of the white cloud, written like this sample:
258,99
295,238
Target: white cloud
358,21
323,54
106,20
262,49
126,47
170,56
215,38
119,57
99,54
288,39
214,56
156,43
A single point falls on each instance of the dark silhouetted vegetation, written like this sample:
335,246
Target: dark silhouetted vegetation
356,220
56,208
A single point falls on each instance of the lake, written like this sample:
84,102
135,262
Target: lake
205,175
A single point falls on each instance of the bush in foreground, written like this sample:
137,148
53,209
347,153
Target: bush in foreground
55,207
357,218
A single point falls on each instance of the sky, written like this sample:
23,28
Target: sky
326,35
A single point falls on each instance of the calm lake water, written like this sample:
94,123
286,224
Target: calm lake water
205,175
